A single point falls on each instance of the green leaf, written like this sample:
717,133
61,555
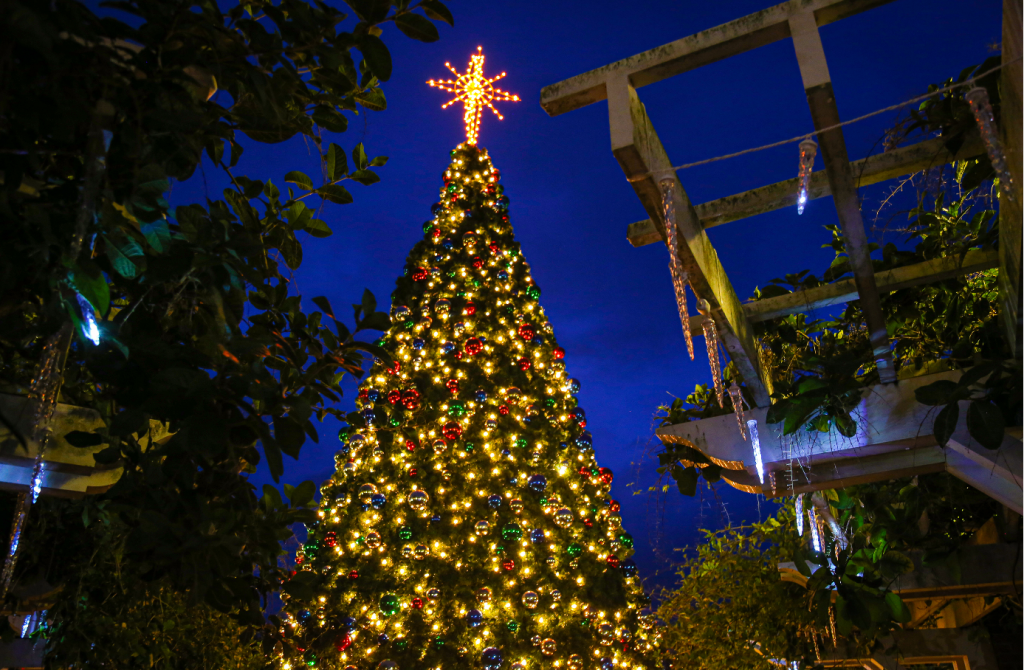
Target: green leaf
87,279
271,498
330,118
289,435
897,607
365,177
300,180
417,27
318,228
301,495
337,163
83,440
302,585
298,215
108,456
894,563
437,11
376,55
945,423
936,393
985,423
158,235
335,193
373,99
359,157
845,424
686,479
378,161
121,255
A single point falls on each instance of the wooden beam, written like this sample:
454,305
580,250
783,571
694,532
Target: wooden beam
1010,213
810,56
886,281
894,439
642,157
962,648
867,171
689,53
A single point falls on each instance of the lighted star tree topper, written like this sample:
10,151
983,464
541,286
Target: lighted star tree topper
474,91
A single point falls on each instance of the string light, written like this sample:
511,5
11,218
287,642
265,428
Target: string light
474,91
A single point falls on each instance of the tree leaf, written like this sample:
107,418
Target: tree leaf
335,193
87,279
897,607
417,27
373,99
985,423
365,177
945,423
894,563
936,393
302,495
436,10
337,163
378,161
686,479
289,435
318,228
376,55
83,440
121,252
300,180
359,156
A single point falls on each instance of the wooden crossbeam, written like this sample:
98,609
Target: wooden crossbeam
642,157
867,171
689,53
810,56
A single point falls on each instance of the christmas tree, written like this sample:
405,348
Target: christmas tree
468,524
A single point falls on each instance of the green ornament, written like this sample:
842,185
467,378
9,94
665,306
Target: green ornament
409,325
360,539
513,625
549,402
460,294
543,501
310,658
451,275
311,549
585,623
438,641
343,435
574,549
521,442
389,605
533,292
511,532
427,227
405,533
395,420
626,540
452,188
456,409
469,447
499,549
475,283
400,645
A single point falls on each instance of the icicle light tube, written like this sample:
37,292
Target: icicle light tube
808,150
755,442
977,98
675,266
800,515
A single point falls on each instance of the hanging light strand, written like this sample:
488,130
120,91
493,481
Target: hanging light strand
977,98
736,396
711,339
800,515
808,150
675,266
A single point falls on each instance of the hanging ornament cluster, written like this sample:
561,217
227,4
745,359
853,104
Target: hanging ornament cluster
675,266
977,98
711,340
808,151
473,527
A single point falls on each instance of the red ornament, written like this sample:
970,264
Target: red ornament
411,399
412,472
478,262
364,395
419,274
353,575
299,560
493,246
330,538
503,410
613,561
470,309
394,396
558,353
417,603
508,564
589,523
410,445
452,385
393,368
526,332
452,430
458,355
584,471
523,363
343,642
436,233
606,475
614,506
473,346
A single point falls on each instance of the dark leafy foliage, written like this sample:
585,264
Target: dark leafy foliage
198,329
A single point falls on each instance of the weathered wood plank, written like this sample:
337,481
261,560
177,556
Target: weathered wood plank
689,53
642,157
867,171
810,57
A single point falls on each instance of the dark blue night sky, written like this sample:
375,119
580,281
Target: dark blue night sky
612,305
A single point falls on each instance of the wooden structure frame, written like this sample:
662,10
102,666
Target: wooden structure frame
644,161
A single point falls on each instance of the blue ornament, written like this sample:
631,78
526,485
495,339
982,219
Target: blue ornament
368,415
435,519
448,347
482,339
536,536
348,624
562,446
481,395
438,258
447,243
605,663
492,658
365,506
474,618
579,415
584,441
382,638
305,616
628,568
537,483
574,386
436,208
494,501
537,340
502,275
374,395
418,343
506,452
513,480
344,450
378,500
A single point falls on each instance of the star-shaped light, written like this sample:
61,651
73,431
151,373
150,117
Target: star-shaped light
474,91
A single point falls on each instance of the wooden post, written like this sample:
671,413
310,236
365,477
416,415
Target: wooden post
1009,210
810,55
